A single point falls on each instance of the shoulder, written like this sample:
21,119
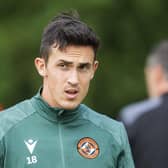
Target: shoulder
132,112
115,128
13,115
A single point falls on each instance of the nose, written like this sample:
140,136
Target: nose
73,78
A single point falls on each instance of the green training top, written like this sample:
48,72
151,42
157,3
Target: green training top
35,135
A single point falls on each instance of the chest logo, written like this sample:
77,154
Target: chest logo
88,148
30,144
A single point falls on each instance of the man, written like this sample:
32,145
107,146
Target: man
53,129
146,121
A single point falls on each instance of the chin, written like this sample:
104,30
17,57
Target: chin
70,106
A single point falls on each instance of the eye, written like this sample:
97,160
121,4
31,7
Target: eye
84,67
63,66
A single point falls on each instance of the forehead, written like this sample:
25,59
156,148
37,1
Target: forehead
73,53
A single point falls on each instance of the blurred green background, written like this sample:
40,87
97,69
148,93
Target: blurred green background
127,29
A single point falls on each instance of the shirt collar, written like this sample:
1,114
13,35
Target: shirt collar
53,113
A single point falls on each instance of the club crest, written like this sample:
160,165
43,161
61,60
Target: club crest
88,148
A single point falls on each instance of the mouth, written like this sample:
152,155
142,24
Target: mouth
71,93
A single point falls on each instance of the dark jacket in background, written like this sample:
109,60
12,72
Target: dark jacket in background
148,132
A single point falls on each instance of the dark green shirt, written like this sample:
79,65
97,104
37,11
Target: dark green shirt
34,135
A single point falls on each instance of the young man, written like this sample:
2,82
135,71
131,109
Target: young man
53,129
146,121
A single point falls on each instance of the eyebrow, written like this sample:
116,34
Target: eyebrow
66,62
85,65
69,63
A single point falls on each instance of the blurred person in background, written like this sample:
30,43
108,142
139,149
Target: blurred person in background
147,121
53,129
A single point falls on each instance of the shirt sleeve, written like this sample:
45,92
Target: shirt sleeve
125,157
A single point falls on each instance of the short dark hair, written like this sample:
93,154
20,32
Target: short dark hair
159,56
67,29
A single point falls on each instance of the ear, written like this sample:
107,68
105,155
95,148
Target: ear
95,66
40,66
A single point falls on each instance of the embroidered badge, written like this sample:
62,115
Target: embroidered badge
88,148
